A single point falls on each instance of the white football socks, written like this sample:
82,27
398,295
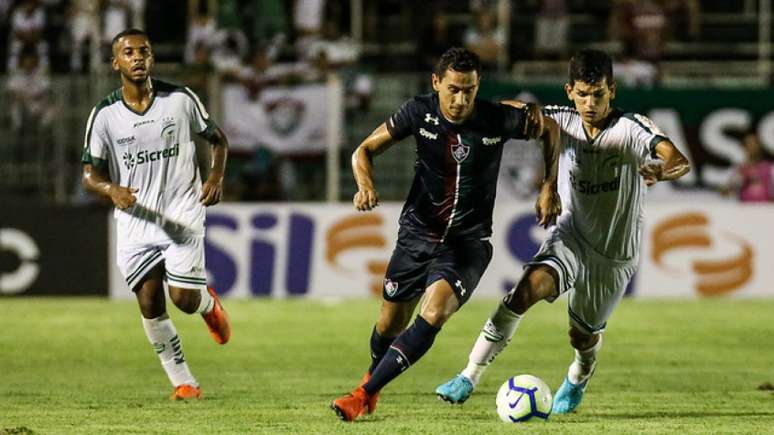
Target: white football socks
163,336
582,368
207,303
495,335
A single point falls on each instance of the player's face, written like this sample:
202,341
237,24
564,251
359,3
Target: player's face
456,93
133,58
592,100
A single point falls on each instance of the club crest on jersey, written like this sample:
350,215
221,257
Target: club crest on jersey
168,131
390,287
460,151
431,119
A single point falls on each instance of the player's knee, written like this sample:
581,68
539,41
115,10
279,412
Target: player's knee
435,315
582,340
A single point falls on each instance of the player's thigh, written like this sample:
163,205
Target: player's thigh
461,265
598,291
135,261
407,270
551,272
185,266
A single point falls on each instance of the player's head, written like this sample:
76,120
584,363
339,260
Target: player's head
591,86
132,55
456,80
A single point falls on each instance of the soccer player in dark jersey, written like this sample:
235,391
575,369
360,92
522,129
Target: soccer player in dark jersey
443,246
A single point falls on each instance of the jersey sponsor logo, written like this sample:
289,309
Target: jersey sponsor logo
141,123
126,141
142,157
589,188
491,140
460,151
390,287
431,119
427,134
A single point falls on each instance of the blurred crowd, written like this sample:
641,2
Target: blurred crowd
260,44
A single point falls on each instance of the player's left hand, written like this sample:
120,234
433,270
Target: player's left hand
652,172
548,206
533,124
212,190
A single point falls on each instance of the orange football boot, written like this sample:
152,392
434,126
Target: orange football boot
186,391
351,406
372,398
217,320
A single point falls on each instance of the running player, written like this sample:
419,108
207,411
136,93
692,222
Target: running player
443,246
608,158
138,152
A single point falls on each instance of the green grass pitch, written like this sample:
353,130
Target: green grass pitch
84,366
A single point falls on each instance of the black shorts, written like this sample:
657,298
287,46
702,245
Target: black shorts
417,263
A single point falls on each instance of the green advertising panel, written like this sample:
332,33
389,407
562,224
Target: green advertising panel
706,124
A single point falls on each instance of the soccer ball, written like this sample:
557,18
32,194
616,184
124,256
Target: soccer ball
524,398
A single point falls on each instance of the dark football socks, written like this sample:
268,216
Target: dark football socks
379,346
407,349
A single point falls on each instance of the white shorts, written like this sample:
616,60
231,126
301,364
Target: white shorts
183,262
595,283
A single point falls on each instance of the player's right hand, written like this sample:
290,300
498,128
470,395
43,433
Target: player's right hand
123,197
548,206
366,199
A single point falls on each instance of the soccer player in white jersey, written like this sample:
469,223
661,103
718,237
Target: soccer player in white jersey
138,152
607,160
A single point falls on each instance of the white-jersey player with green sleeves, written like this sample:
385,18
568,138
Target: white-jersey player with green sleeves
607,160
154,153
139,153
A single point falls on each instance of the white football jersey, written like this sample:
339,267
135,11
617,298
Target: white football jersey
153,152
599,182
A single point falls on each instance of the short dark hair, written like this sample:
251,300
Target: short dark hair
591,66
458,59
128,32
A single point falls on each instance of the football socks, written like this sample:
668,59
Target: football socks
207,302
583,366
379,346
495,335
163,336
407,349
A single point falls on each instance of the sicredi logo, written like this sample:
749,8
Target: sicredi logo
692,231
142,157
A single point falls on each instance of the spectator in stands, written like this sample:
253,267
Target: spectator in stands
28,22
435,39
486,38
641,24
634,73
552,29
83,17
199,72
753,180
308,16
29,91
202,29
116,16
684,18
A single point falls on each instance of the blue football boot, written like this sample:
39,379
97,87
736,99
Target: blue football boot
457,390
569,396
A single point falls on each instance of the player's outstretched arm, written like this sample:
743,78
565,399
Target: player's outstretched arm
549,205
376,143
672,164
96,181
212,189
